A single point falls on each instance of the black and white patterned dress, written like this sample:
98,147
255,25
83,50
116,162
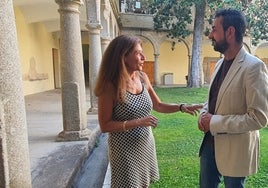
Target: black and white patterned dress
132,153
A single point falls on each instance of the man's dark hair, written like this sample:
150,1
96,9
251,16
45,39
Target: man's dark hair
235,18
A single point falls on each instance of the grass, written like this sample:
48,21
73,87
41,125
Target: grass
178,139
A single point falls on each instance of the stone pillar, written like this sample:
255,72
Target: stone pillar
104,43
189,70
95,54
105,20
72,73
14,148
156,73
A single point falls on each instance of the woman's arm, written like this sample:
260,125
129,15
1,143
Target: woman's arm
162,107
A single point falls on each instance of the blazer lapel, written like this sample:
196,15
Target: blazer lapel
235,67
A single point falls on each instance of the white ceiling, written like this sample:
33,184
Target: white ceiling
46,12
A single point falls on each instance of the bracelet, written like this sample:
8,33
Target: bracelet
124,126
181,107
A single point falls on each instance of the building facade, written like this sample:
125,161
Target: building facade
48,45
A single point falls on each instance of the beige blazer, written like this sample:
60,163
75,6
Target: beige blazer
241,110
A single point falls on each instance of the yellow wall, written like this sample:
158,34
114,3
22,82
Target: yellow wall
35,48
208,50
262,52
173,61
148,50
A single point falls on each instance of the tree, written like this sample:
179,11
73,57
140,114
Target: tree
172,16
175,17
195,78
257,16
256,12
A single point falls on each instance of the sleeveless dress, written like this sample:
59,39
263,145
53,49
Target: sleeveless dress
132,153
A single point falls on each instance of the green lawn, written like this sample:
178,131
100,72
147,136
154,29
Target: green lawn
178,139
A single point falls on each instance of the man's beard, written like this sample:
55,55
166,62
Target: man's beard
220,46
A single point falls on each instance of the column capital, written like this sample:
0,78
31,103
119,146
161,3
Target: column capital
156,55
94,28
106,38
80,2
94,25
71,6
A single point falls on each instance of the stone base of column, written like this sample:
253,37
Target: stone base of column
74,135
92,110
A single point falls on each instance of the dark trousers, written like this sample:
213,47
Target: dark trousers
210,177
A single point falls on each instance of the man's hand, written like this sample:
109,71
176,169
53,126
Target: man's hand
204,122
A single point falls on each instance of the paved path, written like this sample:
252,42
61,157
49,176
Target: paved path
57,164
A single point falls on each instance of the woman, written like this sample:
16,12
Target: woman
125,101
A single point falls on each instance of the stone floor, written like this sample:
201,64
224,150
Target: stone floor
57,164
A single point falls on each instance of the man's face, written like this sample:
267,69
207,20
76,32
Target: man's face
217,35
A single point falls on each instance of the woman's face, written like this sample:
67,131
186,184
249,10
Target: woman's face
134,60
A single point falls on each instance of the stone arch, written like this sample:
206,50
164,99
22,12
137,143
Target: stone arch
263,44
155,38
149,40
261,51
185,43
247,47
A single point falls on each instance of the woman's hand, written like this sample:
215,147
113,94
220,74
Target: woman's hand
147,121
191,109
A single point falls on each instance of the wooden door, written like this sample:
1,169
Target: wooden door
148,68
211,68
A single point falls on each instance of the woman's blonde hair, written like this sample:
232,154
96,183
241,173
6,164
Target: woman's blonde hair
113,69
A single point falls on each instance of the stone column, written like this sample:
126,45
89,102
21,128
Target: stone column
189,70
14,148
156,76
95,54
72,73
105,20
104,43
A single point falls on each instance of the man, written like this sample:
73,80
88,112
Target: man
237,107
